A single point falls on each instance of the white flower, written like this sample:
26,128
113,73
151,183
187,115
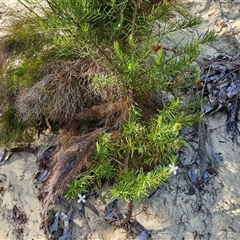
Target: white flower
173,168
81,198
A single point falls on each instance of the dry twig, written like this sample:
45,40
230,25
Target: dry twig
227,22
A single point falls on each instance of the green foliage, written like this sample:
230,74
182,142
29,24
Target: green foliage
154,144
136,184
122,32
24,38
101,169
103,166
79,185
155,141
75,57
138,149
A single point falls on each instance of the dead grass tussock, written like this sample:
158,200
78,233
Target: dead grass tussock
69,161
65,89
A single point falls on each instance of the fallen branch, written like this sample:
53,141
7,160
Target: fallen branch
49,126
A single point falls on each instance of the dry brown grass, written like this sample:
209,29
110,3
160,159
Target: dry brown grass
69,160
108,114
64,90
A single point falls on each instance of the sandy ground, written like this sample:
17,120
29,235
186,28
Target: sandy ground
170,213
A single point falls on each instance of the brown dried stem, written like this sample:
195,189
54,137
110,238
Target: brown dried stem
124,221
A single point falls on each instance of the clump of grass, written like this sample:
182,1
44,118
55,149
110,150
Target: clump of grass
25,37
64,90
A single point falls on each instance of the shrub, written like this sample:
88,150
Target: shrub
104,69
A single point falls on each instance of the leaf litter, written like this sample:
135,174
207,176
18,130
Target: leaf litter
220,81
220,88
58,224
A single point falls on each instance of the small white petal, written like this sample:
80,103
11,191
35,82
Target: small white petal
81,198
173,168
